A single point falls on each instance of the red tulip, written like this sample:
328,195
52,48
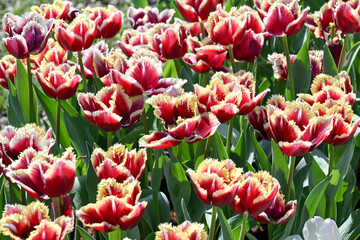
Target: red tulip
143,16
15,141
285,18
196,10
103,63
54,53
262,6
58,10
78,35
65,207
178,111
255,193
109,20
215,182
277,213
26,35
88,55
347,16
7,70
59,82
249,47
134,40
184,231
33,222
117,205
118,163
111,108
42,175
169,40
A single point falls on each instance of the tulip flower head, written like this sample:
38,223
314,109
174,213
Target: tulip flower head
184,231
53,53
59,82
117,205
58,10
109,20
104,63
347,16
43,175
196,10
27,34
255,193
94,52
215,182
148,16
7,70
33,222
134,40
119,163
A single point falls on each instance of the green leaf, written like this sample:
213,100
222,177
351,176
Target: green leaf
340,169
177,184
350,229
185,211
199,154
220,152
329,63
351,56
91,178
84,234
279,168
49,106
197,208
81,197
261,157
15,114
151,236
312,202
302,70
139,3
147,196
225,227
169,70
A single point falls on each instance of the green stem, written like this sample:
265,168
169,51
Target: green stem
233,65
109,139
23,197
203,81
243,226
32,117
156,206
343,51
179,153
290,178
229,135
270,230
333,158
82,71
290,87
202,29
57,207
146,131
177,66
57,131
207,146
331,155
213,221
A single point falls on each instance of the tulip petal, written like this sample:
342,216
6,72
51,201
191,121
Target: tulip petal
158,140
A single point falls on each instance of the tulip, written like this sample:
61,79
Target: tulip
277,213
33,222
111,108
43,175
78,35
99,49
59,82
109,20
148,15
65,207
58,10
134,40
249,47
169,40
117,205
53,53
184,231
26,35
103,63
196,11
347,16
179,113
285,18
215,182
15,141
118,163
262,6
7,70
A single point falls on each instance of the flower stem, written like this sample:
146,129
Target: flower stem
290,87
213,221
343,51
331,155
57,207
233,65
177,66
32,117
179,153
333,158
243,226
290,178
229,135
57,131
146,131
203,33
23,196
207,146
270,230
203,80
109,139
82,71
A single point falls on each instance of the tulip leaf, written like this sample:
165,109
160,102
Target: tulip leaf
133,233
49,106
169,70
197,208
350,229
279,168
22,88
329,66
225,227
261,157
340,169
200,151
301,69
81,197
185,211
151,236
139,3
91,178
299,179
351,56
312,202
84,234
15,114
177,184
220,152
